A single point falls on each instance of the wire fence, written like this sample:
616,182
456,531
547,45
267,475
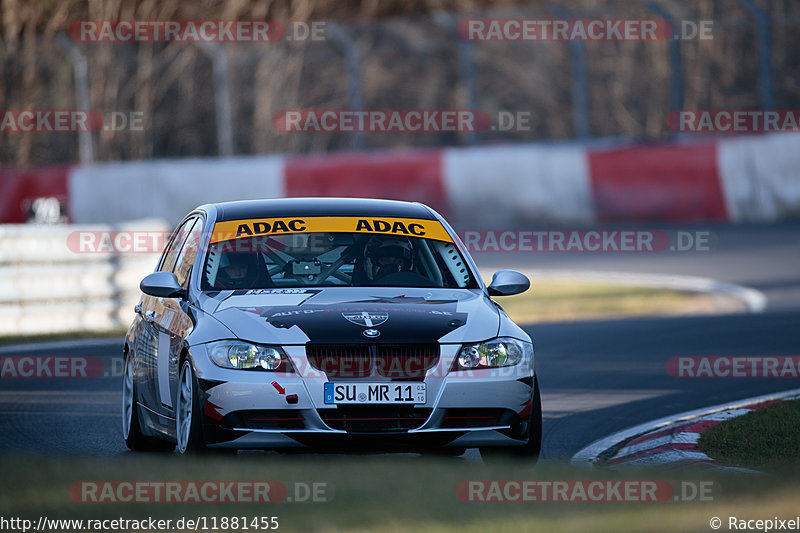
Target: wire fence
180,99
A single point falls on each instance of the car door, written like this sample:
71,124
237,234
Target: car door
172,321
152,339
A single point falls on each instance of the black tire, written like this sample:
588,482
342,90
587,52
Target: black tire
188,417
135,440
532,448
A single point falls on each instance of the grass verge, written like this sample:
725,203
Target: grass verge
766,439
385,494
549,301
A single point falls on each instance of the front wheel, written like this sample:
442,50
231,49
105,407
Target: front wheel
188,429
533,445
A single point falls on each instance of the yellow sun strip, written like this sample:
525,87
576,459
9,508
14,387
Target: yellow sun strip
409,227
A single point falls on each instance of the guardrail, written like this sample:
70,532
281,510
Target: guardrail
726,179
48,286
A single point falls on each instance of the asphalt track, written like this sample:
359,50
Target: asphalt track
597,377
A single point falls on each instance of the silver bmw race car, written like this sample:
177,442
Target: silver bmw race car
327,323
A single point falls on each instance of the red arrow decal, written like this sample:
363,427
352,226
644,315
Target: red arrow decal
280,389
211,411
527,407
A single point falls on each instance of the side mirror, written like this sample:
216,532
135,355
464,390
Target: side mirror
162,285
508,283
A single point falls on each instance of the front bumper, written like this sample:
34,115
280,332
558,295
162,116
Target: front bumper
254,409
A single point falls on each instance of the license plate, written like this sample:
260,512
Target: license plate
375,393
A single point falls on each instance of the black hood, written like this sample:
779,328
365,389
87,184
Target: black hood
354,315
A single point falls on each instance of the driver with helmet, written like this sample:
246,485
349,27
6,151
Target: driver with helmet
387,254
237,270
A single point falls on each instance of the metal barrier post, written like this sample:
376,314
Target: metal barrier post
355,100
675,60
222,97
80,67
580,99
764,36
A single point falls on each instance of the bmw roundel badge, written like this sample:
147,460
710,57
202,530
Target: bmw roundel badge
371,332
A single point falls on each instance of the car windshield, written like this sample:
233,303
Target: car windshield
334,259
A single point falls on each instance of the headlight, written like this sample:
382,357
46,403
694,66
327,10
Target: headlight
503,351
246,356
